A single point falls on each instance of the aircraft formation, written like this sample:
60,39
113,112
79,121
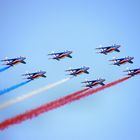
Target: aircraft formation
77,71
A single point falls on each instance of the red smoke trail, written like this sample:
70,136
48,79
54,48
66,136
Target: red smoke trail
55,104
35,112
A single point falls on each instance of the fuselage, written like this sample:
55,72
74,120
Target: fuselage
16,61
37,75
62,55
95,83
80,71
109,49
123,61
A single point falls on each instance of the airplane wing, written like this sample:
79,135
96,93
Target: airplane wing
102,84
44,76
26,74
73,69
127,70
117,50
92,81
69,56
100,48
103,48
29,74
115,59
9,59
85,82
132,70
55,54
86,72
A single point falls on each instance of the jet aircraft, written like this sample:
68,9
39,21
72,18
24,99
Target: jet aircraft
133,72
61,55
93,83
121,61
14,61
35,75
108,49
78,71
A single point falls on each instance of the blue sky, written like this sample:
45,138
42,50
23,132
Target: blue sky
34,28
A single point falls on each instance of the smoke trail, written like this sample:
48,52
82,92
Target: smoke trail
92,91
5,68
13,87
36,112
55,104
33,93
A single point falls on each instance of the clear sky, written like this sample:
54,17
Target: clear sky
34,28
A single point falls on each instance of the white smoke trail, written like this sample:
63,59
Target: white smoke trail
31,94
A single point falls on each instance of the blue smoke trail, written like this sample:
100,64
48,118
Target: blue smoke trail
5,68
14,87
